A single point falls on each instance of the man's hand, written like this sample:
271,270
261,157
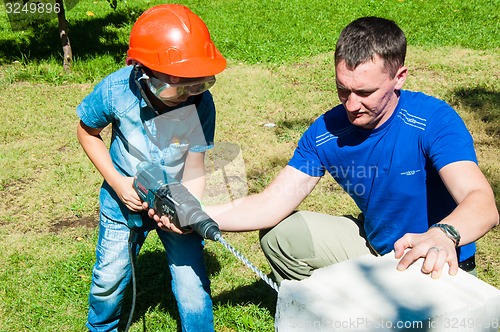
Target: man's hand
434,246
163,222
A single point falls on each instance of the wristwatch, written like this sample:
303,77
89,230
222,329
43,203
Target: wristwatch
450,231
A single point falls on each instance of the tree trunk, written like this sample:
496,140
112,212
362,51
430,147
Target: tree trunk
63,34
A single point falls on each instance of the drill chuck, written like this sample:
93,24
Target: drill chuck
208,229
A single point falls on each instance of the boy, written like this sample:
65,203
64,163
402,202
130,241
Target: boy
161,111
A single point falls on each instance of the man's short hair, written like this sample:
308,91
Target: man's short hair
367,37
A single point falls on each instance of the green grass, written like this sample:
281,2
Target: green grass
267,32
280,70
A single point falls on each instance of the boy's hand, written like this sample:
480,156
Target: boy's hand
127,194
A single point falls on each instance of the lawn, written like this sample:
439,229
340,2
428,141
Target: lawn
280,71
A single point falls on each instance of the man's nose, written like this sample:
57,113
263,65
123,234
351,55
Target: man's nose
353,103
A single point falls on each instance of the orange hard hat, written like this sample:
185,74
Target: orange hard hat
173,40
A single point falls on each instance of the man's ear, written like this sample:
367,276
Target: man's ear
401,75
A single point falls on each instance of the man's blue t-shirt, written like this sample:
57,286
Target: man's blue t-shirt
140,134
391,172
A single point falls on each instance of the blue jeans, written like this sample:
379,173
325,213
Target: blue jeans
112,273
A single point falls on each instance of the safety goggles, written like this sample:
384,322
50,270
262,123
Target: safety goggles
186,87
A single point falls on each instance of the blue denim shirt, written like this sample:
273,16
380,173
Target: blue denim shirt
139,133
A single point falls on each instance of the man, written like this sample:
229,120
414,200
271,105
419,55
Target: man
405,158
161,112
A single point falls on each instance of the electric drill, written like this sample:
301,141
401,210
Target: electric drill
168,197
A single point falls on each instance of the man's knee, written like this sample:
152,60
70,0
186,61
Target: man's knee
267,241
291,236
287,246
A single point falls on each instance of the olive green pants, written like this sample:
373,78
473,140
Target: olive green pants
306,241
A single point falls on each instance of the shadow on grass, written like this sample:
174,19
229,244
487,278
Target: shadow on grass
154,289
259,178
484,103
89,38
258,293
291,130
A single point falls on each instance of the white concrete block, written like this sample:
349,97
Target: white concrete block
369,294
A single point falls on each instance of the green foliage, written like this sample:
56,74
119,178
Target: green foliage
269,32
113,3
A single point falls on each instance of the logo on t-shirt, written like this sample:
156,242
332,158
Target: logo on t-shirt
411,172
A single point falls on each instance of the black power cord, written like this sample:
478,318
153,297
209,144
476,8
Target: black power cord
132,257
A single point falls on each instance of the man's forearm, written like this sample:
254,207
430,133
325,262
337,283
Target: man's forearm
268,208
474,216
243,214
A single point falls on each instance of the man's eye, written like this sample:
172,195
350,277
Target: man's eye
343,92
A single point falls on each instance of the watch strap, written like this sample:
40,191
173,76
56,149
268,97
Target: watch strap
450,231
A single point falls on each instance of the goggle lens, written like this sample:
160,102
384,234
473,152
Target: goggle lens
169,91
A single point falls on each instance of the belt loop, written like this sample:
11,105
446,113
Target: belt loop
469,264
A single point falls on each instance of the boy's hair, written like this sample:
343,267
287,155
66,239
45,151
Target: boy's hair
367,37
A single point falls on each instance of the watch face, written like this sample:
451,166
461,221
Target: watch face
453,232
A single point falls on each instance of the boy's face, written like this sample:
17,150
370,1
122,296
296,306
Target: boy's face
173,90
368,93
